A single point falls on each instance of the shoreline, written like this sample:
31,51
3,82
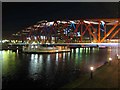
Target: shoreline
105,76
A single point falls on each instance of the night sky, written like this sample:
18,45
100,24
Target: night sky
17,16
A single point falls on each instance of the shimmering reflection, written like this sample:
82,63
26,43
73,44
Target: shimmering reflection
68,56
17,51
53,70
48,63
35,65
64,55
8,63
56,58
1,58
40,57
48,57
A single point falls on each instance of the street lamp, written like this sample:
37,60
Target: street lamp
110,59
91,74
117,55
118,58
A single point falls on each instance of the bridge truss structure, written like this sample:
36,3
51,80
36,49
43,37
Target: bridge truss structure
72,31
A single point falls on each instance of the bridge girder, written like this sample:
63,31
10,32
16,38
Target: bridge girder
73,30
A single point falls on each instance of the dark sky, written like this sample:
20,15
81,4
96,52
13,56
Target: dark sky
17,16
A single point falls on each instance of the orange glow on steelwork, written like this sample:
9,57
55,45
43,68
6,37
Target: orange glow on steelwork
67,31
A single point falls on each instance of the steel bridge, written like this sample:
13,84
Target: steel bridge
71,31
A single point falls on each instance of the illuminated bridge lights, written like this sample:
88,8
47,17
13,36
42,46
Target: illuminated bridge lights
72,31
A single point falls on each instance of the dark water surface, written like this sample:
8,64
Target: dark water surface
50,70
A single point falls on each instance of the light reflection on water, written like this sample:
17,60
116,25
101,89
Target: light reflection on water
35,66
56,58
56,69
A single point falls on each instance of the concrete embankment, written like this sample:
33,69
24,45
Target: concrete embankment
106,76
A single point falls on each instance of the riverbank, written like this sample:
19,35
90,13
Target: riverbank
103,77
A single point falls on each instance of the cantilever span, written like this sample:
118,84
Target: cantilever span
71,31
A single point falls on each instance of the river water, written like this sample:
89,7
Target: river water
20,70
